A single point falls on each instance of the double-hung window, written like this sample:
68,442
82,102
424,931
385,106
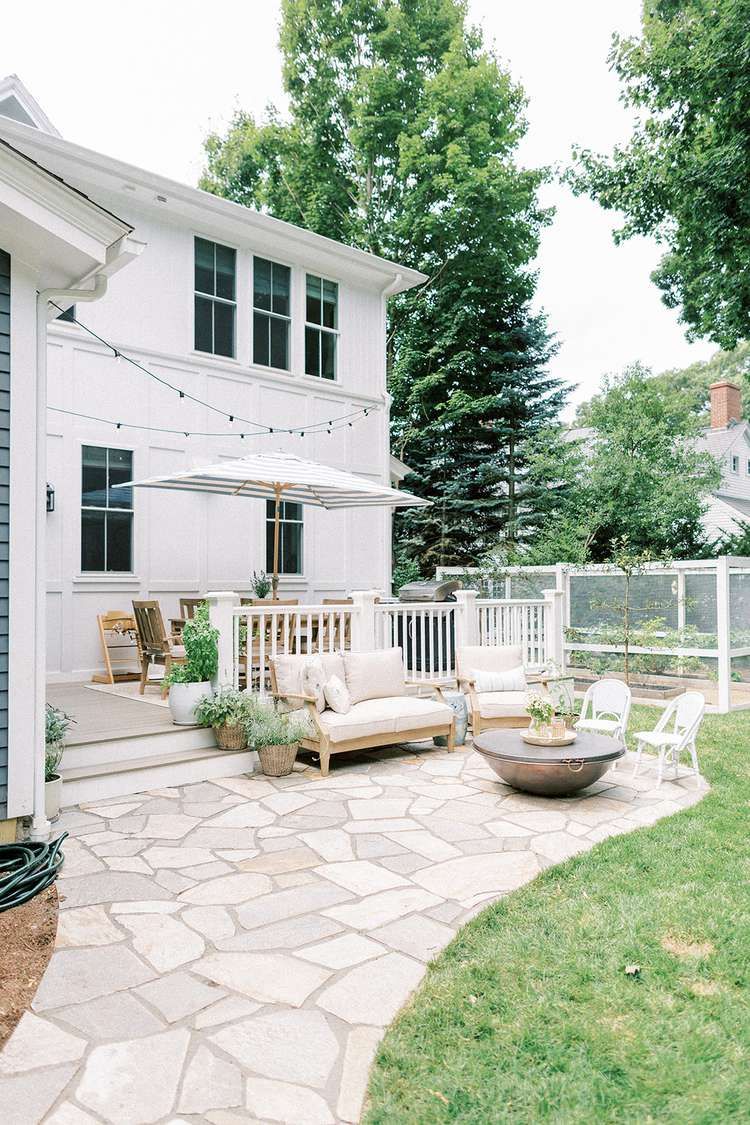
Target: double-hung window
735,462
290,537
271,286
106,510
321,327
215,297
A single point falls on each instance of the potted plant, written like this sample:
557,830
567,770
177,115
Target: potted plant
541,712
191,681
261,584
57,726
276,737
228,711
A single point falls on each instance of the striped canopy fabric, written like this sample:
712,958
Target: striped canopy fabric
265,476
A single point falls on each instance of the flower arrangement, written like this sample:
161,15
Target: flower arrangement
541,711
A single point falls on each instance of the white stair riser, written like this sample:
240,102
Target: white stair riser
139,746
128,782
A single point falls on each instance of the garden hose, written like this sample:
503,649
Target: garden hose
26,869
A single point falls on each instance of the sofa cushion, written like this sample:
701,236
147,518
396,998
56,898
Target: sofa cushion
471,659
374,675
386,716
512,680
289,669
502,704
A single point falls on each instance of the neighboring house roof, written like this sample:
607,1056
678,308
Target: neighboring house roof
203,210
737,504
719,442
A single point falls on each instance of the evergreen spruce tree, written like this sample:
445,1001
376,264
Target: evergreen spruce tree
401,139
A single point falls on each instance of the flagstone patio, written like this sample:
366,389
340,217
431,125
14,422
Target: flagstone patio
231,951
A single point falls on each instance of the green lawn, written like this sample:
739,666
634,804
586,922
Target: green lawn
529,1016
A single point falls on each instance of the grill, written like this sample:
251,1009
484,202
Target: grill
439,591
423,638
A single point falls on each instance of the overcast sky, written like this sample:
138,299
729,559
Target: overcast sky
145,82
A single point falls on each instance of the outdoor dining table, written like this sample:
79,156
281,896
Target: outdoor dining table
550,771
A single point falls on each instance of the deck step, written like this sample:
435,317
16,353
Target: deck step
124,777
140,745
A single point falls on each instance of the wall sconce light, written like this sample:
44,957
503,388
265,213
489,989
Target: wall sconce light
50,497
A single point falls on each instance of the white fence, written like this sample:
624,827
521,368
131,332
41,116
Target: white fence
688,622
428,633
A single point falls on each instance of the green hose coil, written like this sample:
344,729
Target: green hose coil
26,869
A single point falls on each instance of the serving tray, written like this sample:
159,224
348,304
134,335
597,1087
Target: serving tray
537,740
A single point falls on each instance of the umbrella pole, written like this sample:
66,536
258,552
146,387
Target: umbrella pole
276,534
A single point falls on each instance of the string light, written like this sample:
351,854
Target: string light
170,430
261,429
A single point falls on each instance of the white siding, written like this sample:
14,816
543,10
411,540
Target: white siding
191,544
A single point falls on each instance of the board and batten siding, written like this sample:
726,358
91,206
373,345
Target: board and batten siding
4,517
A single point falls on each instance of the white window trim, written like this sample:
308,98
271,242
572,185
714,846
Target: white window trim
323,328
214,297
105,575
293,574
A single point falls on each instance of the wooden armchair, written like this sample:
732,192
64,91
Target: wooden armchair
499,707
188,606
154,645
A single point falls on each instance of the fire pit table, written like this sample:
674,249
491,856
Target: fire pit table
550,771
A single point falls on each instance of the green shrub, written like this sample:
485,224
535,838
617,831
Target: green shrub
269,727
228,706
200,639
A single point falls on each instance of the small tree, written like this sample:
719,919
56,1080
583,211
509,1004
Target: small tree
630,563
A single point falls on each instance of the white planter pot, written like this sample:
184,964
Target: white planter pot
183,699
52,797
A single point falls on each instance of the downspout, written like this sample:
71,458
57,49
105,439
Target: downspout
386,292
40,826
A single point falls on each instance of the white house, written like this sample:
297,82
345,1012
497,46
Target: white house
55,244
728,440
259,318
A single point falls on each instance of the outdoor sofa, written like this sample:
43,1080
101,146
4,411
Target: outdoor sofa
381,711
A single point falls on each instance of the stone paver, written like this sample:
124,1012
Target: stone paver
231,951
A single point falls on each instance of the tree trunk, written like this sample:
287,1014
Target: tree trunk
511,527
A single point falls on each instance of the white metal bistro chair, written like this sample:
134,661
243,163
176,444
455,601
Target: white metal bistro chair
609,704
676,731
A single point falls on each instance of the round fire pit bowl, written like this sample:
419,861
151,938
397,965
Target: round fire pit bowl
549,771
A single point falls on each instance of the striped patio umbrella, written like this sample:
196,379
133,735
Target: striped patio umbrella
282,476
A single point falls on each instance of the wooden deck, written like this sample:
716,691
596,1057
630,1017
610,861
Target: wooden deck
100,716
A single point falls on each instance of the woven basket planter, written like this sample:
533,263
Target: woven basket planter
278,761
230,737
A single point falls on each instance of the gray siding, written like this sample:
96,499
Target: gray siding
4,518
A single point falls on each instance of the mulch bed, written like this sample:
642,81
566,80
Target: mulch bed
27,938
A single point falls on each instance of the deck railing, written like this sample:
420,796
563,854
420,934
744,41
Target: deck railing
428,633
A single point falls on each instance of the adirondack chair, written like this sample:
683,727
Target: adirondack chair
155,646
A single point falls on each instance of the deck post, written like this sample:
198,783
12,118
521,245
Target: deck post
554,641
467,618
221,604
364,636
723,635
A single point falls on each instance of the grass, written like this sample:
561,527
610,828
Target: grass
529,1015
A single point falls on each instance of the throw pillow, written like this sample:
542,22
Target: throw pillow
313,680
512,680
337,696
374,675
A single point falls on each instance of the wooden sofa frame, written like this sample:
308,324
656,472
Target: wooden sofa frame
322,745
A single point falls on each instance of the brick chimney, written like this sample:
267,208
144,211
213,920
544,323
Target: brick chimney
726,404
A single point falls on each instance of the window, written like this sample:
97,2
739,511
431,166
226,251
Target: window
106,510
735,463
215,297
321,327
748,466
290,537
271,284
